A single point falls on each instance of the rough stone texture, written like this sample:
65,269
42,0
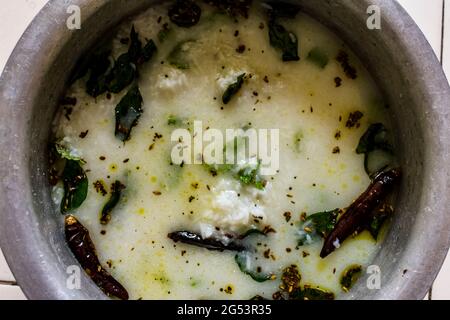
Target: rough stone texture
398,56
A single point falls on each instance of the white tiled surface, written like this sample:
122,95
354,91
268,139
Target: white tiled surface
428,16
16,15
11,293
5,273
446,44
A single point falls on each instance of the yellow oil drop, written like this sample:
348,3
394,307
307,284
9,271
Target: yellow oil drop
321,265
365,236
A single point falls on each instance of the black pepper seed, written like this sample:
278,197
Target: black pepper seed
353,119
337,135
240,49
70,101
83,134
349,70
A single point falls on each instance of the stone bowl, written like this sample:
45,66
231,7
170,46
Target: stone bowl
398,56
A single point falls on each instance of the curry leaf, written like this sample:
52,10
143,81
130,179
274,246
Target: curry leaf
210,243
280,9
216,169
185,13
233,8
350,276
248,174
378,219
134,50
97,82
138,54
283,40
173,121
75,186
164,33
318,57
122,74
176,121
128,112
178,56
114,79
251,232
233,89
257,297
309,293
324,221
65,153
96,62
125,68
116,192
374,138
376,224
251,176
317,225
244,261
378,152
147,52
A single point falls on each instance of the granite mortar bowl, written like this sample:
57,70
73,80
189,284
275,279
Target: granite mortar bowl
398,56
